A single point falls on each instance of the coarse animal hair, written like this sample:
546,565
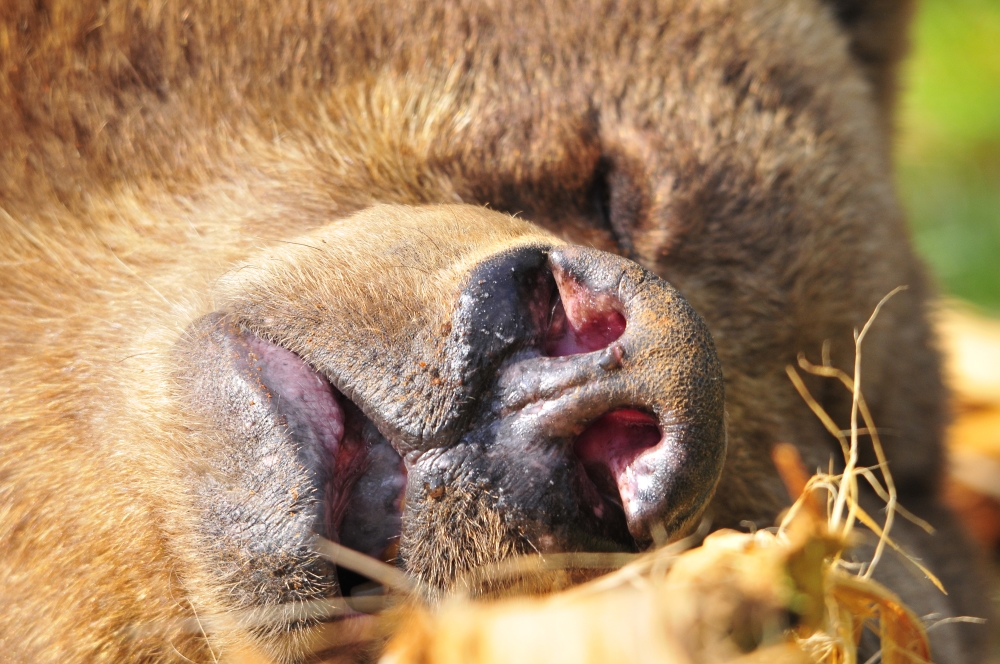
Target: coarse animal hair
160,161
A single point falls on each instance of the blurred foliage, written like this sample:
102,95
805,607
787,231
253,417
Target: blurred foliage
948,154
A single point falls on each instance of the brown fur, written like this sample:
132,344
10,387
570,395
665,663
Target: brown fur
148,148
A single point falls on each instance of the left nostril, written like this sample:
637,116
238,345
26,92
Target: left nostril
582,320
611,444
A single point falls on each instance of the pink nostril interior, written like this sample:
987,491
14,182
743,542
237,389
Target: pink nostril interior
583,320
612,443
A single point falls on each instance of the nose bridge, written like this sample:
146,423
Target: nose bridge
501,307
370,302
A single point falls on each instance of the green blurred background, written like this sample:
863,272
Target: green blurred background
948,150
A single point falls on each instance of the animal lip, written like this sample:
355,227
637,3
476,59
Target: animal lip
299,459
361,477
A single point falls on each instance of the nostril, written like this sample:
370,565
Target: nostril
609,447
582,320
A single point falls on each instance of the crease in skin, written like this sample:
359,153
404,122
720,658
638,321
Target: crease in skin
539,378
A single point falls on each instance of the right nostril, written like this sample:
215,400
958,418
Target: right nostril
609,446
582,320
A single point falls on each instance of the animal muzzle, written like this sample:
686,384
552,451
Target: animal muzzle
521,395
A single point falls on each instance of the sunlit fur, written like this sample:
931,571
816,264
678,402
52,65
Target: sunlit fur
150,151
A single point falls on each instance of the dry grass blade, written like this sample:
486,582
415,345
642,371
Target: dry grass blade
903,637
852,460
828,371
526,568
374,569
